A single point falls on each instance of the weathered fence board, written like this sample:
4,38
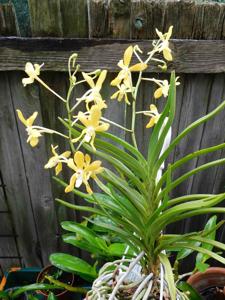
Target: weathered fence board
8,23
190,56
14,176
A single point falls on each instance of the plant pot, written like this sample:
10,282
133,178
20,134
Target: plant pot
210,284
19,277
64,277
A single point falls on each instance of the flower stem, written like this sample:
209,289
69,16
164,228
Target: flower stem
115,124
48,88
70,116
66,286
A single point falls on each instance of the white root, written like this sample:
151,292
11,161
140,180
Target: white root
120,281
148,291
141,286
161,282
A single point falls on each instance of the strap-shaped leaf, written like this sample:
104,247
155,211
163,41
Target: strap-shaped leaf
33,287
185,159
85,233
168,275
134,196
188,130
197,249
201,211
156,151
187,198
153,142
172,214
185,176
80,207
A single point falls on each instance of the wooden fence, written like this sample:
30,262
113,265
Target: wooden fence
29,216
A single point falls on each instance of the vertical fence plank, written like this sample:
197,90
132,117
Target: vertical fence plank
181,16
8,22
3,206
14,177
51,108
212,135
27,99
45,18
98,18
119,18
194,105
74,16
139,20
211,26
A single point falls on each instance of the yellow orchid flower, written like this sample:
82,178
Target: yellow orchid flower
84,170
125,74
92,123
163,89
56,160
122,93
164,45
33,71
34,132
93,94
154,114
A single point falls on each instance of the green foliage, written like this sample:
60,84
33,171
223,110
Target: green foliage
72,264
185,287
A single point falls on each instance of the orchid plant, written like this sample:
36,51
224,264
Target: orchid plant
134,203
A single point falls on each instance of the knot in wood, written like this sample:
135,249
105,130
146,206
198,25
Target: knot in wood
138,23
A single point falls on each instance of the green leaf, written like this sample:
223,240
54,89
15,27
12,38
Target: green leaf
119,249
79,207
187,158
179,211
185,176
201,258
187,130
156,142
183,253
83,244
200,266
69,263
168,275
4,295
86,233
197,249
33,287
51,296
192,293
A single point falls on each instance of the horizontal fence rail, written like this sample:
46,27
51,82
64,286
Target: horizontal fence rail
190,56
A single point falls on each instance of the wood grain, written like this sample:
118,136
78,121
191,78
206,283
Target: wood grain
8,22
15,177
74,18
8,254
45,17
190,56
